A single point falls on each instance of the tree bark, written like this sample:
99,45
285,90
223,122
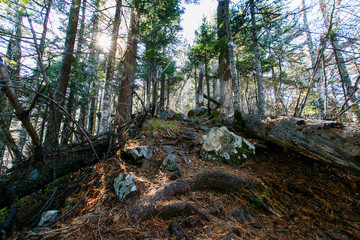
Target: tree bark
257,63
233,71
20,112
106,107
200,87
226,92
52,133
326,141
127,81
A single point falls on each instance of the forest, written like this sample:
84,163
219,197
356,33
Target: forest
94,92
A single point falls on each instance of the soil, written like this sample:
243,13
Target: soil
290,197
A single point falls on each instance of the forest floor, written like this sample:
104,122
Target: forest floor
296,198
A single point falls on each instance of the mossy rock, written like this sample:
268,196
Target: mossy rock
222,146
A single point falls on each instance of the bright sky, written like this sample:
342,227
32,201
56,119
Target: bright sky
193,15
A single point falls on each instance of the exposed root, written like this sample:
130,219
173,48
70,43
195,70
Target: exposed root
207,180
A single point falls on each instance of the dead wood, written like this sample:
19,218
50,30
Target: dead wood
326,141
211,179
28,179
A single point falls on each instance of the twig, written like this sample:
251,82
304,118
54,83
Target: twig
67,212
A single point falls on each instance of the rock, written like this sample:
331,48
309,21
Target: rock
153,134
124,184
168,149
170,164
167,115
222,146
139,153
48,216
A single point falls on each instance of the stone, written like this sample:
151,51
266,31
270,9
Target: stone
139,153
48,216
222,146
167,114
170,164
168,149
124,184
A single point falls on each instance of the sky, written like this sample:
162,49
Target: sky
193,15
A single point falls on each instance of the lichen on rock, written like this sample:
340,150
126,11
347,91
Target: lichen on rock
222,146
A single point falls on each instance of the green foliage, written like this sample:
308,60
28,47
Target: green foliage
160,125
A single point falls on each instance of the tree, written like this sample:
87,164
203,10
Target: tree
226,94
257,62
106,107
124,107
51,139
340,61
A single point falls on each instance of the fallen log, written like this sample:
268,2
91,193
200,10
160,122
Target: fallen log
327,141
27,180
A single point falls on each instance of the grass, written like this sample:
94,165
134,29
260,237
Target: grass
160,125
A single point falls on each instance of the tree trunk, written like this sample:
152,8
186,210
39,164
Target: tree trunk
226,92
20,112
106,107
162,92
318,75
200,88
52,133
127,81
233,71
257,63
326,141
340,61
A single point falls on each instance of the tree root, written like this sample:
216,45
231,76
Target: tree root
207,180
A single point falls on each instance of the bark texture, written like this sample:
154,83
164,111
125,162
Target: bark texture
51,139
327,141
127,81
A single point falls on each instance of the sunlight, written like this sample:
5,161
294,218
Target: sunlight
103,41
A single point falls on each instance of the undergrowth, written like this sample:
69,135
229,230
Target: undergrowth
160,125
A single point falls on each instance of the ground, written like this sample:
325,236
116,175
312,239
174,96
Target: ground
285,196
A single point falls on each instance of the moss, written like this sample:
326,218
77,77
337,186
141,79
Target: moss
215,117
57,182
238,123
160,125
3,214
25,199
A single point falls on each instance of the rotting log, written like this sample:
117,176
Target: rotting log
327,141
28,179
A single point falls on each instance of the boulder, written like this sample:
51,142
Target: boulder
48,216
138,154
167,114
124,184
171,115
169,163
222,146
